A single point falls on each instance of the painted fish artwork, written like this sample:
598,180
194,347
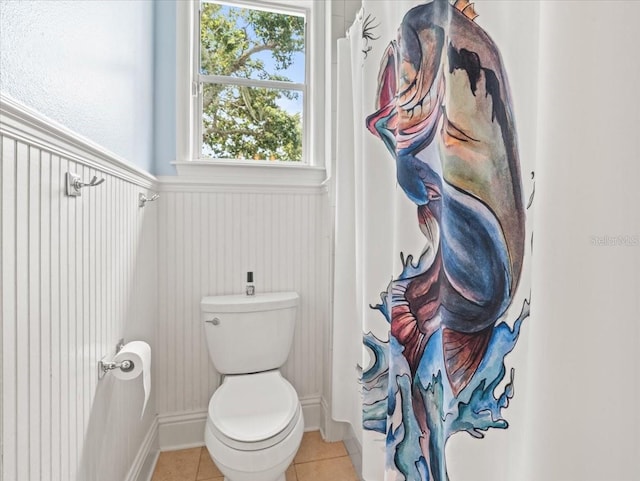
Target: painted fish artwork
444,112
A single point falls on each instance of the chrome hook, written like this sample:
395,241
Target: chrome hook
143,199
74,184
94,181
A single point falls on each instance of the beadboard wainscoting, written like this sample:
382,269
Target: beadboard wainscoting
210,236
77,274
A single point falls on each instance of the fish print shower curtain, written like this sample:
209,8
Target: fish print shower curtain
438,233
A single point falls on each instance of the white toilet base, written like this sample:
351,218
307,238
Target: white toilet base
267,464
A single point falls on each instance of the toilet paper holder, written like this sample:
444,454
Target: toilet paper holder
105,366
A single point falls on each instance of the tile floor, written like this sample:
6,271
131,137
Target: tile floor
316,460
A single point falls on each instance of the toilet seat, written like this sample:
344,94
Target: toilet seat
253,411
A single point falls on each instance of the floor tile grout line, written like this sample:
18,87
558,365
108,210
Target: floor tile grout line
322,459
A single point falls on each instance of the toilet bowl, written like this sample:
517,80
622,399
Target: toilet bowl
254,427
254,423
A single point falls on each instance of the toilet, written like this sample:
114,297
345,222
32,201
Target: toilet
254,424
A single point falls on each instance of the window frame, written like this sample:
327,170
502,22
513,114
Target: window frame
189,160
199,79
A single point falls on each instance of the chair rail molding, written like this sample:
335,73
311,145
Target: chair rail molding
27,125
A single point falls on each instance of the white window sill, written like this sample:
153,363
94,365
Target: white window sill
251,173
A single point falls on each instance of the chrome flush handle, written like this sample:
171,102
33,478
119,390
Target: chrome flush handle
215,321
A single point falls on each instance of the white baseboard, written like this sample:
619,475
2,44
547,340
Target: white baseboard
145,460
312,412
331,430
354,449
181,430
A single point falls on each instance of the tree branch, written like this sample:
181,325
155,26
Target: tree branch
212,130
242,59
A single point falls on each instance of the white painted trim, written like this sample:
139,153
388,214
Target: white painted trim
316,71
181,430
276,5
252,172
149,466
249,82
312,413
331,430
145,461
186,430
274,183
187,122
185,103
354,449
29,126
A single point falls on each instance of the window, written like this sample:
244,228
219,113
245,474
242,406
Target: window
250,89
251,82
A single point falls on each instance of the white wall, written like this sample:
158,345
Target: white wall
210,236
85,64
77,274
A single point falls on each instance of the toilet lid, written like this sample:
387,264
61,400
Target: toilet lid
253,408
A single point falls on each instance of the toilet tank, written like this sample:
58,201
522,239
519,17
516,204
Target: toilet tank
247,334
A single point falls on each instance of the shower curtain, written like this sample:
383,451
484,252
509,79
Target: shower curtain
433,238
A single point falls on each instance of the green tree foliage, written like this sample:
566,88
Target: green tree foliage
240,121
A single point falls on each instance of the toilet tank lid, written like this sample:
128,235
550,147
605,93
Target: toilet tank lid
264,301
